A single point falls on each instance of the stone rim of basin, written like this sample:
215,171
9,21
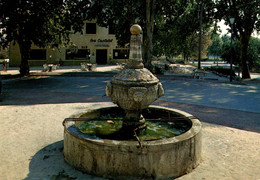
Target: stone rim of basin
193,131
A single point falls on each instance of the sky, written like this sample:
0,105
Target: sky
225,28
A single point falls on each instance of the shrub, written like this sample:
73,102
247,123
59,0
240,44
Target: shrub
2,56
221,70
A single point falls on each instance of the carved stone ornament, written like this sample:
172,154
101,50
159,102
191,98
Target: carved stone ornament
135,87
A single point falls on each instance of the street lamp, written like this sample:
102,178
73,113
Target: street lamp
231,20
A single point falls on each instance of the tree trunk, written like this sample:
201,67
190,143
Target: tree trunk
24,50
184,57
148,43
244,41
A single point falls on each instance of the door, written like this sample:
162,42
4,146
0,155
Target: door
101,56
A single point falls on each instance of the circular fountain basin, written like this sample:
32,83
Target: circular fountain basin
124,159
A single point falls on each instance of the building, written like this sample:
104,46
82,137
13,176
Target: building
96,45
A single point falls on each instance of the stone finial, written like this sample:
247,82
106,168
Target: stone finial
135,29
135,55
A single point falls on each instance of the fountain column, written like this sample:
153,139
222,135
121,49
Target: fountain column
135,87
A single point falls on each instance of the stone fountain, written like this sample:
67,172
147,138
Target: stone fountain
133,89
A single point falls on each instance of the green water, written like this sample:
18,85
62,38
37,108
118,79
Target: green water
98,128
112,129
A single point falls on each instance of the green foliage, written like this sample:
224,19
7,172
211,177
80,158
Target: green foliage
247,19
253,54
174,28
246,14
215,48
28,21
169,24
41,22
221,70
226,50
176,33
120,15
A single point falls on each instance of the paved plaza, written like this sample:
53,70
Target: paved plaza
33,108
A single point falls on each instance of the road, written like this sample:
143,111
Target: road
53,89
198,97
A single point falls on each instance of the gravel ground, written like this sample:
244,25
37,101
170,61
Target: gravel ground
32,142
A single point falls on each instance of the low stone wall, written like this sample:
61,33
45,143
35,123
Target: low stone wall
160,159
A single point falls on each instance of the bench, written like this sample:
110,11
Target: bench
199,73
49,67
87,67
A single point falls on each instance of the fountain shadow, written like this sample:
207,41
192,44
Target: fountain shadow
48,163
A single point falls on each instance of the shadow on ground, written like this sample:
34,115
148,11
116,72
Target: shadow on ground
59,89
53,90
226,117
48,163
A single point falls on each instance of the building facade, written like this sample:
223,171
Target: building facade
96,45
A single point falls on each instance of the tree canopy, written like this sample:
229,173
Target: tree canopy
247,20
178,32
166,24
40,22
175,22
169,27
252,55
216,47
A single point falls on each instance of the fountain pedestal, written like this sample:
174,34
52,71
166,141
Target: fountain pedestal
135,87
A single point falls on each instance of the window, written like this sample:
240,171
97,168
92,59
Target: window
37,54
91,28
80,54
111,29
120,54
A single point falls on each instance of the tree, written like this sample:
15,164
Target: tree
149,14
252,55
172,28
119,15
215,48
157,19
226,50
122,15
247,19
176,32
41,22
